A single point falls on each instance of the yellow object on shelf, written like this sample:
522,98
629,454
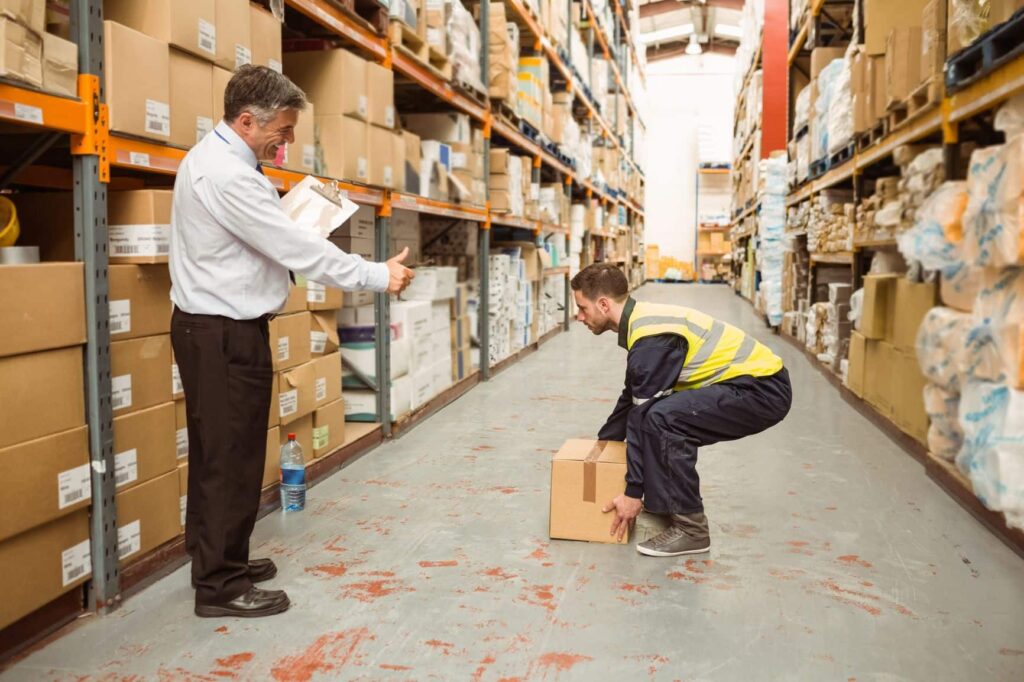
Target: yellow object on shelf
10,229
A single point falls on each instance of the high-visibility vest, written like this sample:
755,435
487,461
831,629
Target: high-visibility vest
717,351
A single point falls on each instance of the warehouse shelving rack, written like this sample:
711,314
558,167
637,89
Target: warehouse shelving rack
707,179
95,152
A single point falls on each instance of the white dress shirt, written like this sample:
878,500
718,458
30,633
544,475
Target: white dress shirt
232,245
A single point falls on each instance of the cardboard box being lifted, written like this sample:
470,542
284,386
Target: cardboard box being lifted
585,476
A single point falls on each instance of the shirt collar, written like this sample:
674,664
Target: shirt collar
627,312
237,145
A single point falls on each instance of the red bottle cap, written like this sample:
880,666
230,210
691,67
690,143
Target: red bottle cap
291,436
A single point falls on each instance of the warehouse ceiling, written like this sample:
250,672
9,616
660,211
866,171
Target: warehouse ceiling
671,27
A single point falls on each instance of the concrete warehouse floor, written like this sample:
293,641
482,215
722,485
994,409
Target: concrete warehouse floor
833,557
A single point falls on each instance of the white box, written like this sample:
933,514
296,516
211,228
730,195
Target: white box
423,387
443,373
361,405
432,284
360,316
434,151
440,315
421,349
412,317
441,344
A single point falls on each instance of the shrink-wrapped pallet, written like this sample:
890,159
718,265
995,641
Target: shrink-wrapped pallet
941,346
945,436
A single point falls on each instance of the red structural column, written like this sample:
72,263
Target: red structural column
775,89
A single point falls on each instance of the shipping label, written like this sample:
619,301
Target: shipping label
28,113
283,348
388,176
204,126
121,392
459,160
129,539
243,55
389,116
321,437
140,240
73,486
75,562
158,117
120,316
126,467
207,37
318,342
288,402
309,157
361,169
364,105
315,292
181,439
177,387
321,388
139,159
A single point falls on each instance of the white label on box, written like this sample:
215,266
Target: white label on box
73,486
283,348
29,114
176,385
315,292
435,36
275,65
138,159
388,176
318,342
121,392
361,171
363,105
321,388
243,55
389,116
139,240
158,117
120,316
126,467
181,440
129,539
534,191
459,159
182,506
288,402
207,37
75,562
321,437
204,126
309,157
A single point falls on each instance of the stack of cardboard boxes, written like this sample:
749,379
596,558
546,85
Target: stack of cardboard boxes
431,295
451,157
509,182
33,56
503,56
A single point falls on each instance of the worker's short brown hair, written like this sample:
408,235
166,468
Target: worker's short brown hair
601,279
262,92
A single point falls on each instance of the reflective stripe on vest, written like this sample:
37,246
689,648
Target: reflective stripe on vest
717,351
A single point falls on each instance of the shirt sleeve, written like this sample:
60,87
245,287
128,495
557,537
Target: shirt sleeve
248,211
615,426
652,371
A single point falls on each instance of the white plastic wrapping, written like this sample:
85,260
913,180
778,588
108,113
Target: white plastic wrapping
826,87
992,220
771,232
464,45
840,110
999,323
945,436
802,109
940,346
935,239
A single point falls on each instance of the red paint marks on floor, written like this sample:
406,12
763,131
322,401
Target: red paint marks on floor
328,653
438,564
499,573
223,629
230,666
399,668
372,590
641,588
560,662
378,574
376,525
705,572
334,545
869,603
791,492
383,484
831,508
790,574
539,595
505,491
655,660
807,465
329,570
482,448
540,553
854,560
799,547
1010,652
485,663
547,564
444,647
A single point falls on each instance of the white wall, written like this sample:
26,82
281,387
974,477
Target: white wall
689,114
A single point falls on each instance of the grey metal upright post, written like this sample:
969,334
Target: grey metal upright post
568,295
382,332
484,246
90,197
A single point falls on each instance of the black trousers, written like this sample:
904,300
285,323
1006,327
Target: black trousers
227,372
671,430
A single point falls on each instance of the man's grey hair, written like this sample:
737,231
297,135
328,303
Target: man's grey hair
262,92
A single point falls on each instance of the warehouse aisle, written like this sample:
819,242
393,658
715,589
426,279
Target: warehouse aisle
833,557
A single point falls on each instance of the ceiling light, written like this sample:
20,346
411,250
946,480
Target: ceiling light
666,34
728,30
693,48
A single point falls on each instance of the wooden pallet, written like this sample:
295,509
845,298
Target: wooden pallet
505,110
427,55
925,98
370,12
469,89
873,135
999,45
842,156
402,35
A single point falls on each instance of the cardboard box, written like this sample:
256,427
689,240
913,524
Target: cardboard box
181,430
296,301
300,156
144,445
876,68
43,307
933,40
445,127
877,316
139,301
21,53
272,461
381,157
274,414
462,362
140,373
360,247
234,40
289,340
42,394
296,395
326,380
902,64
398,160
908,396
361,225
139,225
38,566
30,13
432,284
192,94
265,38
49,477
882,16
823,56
137,82
335,80
303,430
855,367
148,515
499,160
221,78
60,65
328,428
586,475
913,300
320,297
345,143
380,92
879,376
323,335
189,25
461,332
356,298
183,492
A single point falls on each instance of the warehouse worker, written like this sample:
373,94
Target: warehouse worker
691,381
232,247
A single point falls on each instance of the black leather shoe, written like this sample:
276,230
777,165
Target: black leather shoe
260,571
255,603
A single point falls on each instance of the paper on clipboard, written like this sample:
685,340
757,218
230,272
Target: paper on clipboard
317,206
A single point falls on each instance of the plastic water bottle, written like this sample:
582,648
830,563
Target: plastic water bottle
293,476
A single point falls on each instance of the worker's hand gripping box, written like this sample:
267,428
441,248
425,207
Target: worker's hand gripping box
585,476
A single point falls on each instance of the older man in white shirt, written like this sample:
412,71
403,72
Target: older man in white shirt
232,247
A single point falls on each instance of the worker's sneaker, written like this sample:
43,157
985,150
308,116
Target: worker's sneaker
649,525
687,535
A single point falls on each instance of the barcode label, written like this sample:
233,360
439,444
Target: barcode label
29,114
158,117
126,467
363,105
275,65
183,505
317,343
129,539
288,402
120,316
321,388
315,293
389,116
309,157
207,37
283,349
181,440
121,392
459,160
75,562
321,437
176,386
139,159
243,55
139,240
388,176
73,485
361,171
204,126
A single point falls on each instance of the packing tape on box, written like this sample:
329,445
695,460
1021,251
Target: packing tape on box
590,471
